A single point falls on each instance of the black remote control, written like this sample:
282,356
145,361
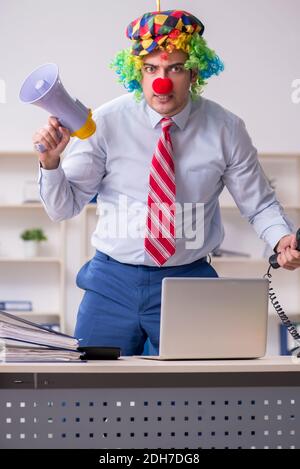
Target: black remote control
273,258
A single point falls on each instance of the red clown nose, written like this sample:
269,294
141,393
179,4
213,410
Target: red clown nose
162,86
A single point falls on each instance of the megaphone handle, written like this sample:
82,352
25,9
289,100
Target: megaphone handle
273,258
40,147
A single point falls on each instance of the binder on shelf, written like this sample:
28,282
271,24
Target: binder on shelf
287,344
52,326
13,305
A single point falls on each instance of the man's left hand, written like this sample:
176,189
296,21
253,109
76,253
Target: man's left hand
289,257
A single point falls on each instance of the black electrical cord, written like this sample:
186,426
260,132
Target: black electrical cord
275,303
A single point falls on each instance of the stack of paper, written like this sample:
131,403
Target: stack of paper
15,351
22,340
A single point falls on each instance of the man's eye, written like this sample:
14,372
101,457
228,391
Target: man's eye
149,69
177,68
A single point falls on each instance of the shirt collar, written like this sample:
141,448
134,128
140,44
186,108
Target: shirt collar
180,119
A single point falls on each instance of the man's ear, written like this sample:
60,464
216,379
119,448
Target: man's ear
194,76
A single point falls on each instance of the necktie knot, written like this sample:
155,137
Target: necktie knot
166,123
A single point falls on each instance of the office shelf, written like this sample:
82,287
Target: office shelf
238,260
51,260
24,314
41,279
234,207
13,154
22,206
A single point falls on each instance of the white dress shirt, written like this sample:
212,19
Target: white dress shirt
211,149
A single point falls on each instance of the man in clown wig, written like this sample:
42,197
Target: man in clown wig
159,160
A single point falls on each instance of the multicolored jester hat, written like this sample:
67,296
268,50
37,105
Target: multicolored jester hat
166,31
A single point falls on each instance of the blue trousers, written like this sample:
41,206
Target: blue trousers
121,304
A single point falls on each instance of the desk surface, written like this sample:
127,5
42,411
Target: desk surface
140,365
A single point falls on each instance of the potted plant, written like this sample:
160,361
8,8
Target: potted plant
32,238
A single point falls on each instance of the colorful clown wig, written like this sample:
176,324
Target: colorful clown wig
166,31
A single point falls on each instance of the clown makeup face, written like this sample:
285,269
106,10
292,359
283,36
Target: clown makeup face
156,65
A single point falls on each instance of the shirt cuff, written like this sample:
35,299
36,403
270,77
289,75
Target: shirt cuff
51,176
273,234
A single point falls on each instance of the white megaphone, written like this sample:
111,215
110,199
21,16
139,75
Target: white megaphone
43,88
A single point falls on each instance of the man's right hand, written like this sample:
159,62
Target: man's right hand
54,145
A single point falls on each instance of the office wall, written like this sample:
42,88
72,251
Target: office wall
259,41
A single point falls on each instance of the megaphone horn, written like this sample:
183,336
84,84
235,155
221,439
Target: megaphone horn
44,88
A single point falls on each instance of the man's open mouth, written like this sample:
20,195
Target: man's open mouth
164,98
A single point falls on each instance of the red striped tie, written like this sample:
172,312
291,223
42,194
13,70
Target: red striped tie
160,230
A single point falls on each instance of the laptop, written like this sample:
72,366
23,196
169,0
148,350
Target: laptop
213,318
